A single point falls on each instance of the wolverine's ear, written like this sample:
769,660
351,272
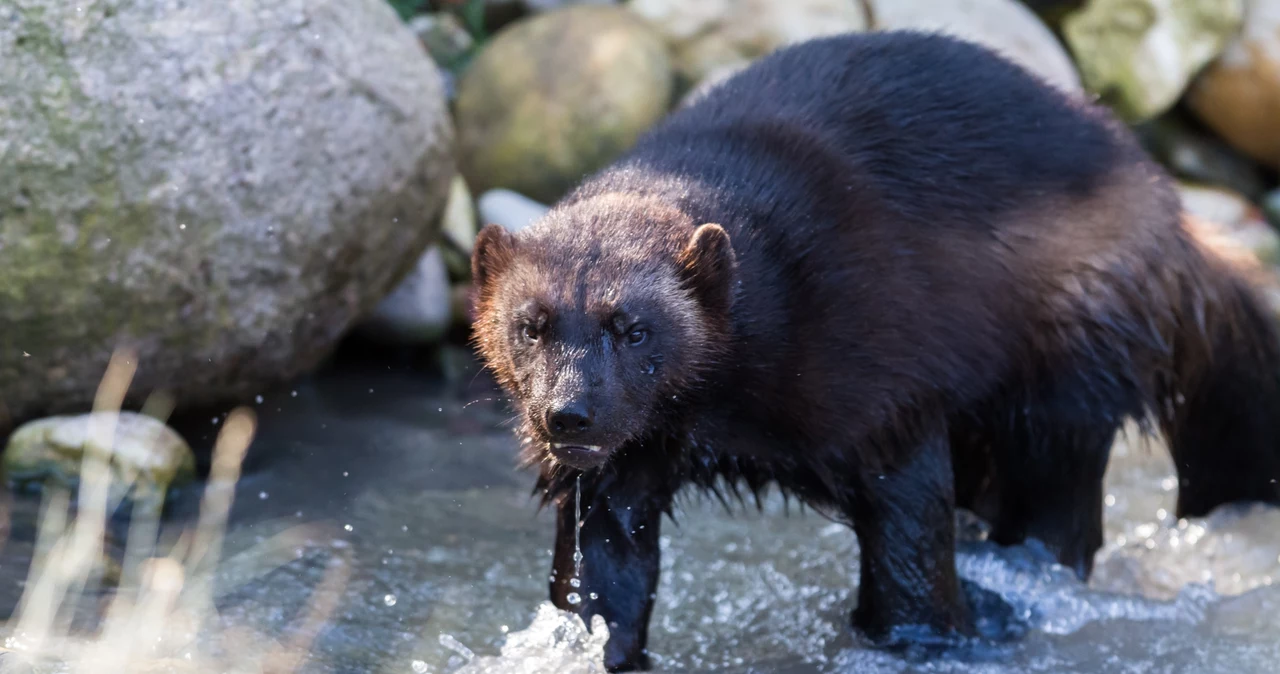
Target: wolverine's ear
707,265
494,248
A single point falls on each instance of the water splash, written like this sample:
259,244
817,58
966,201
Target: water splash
556,642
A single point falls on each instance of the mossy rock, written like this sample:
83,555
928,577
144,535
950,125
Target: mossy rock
1140,55
556,96
224,187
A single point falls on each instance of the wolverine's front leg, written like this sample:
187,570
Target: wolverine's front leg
904,516
617,576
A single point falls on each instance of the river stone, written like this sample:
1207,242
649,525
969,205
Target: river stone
459,218
557,96
418,311
512,210
458,229
142,448
712,35
1005,26
443,36
1238,95
1139,55
224,186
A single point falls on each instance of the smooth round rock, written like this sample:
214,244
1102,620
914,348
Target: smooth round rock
1238,95
710,36
511,210
224,186
141,450
557,96
1005,26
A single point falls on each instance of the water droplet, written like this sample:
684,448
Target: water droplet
593,596
345,473
215,421
258,399
389,600
348,527
262,495
293,394
1110,500
573,599
419,667
577,531
182,225
504,629
574,582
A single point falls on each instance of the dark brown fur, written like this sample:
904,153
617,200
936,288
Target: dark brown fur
931,281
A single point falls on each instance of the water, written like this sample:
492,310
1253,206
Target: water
576,581
411,487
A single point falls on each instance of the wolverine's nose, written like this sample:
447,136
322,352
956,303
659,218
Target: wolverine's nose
569,419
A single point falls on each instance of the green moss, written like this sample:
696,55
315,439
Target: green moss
61,219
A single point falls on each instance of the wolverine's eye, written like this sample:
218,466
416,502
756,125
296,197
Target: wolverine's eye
529,332
637,336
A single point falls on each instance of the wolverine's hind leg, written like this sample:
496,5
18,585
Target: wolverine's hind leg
1050,448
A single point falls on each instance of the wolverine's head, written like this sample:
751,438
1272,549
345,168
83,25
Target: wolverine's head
598,318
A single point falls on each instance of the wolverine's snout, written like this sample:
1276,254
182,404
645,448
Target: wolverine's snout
569,420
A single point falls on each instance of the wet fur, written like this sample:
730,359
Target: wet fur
949,285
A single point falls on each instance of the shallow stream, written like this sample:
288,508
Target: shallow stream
408,481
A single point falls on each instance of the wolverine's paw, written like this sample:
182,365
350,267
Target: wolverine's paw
975,634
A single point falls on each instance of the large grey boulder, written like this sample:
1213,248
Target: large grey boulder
224,186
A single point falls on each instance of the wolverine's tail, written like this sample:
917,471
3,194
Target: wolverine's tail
1222,411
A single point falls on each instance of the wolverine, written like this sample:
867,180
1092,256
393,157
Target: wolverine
892,274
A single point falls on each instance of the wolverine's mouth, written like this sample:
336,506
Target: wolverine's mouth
590,448
582,457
